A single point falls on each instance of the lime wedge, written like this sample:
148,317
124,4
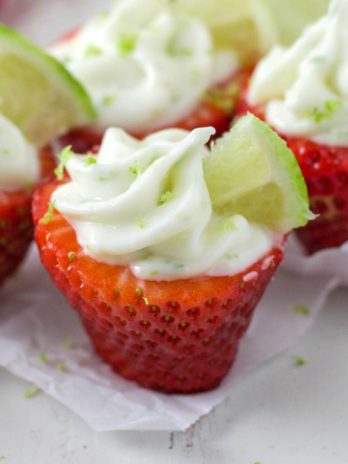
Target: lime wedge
288,17
251,172
37,93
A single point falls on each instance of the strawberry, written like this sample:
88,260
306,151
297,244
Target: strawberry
325,169
174,336
16,226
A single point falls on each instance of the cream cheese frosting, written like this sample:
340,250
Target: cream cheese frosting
146,204
144,66
305,87
19,162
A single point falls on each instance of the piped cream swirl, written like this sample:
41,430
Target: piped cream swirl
305,88
146,204
144,66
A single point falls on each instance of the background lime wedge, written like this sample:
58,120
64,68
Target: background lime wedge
37,93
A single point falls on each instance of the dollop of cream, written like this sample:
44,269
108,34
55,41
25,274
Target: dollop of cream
146,204
144,66
305,87
19,162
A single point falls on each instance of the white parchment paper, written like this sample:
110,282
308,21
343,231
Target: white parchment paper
35,319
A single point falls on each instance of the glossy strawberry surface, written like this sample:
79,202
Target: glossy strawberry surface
176,336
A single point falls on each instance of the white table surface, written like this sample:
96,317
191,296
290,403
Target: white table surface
280,414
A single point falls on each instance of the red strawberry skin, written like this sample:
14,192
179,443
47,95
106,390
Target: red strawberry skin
179,336
16,225
325,169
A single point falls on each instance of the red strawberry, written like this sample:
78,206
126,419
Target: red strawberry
16,225
178,336
325,169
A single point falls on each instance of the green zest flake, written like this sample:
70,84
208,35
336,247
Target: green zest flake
226,225
108,100
138,292
90,160
61,367
64,156
49,214
174,50
43,358
5,151
117,292
300,309
233,90
135,169
68,343
221,99
165,197
31,392
71,256
154,273
330,108
140,223
93,50
127,43
299,362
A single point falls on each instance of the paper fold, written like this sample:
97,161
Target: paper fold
37,320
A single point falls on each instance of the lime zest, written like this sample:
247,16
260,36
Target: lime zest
31,392
43,358
135,169
300,309
64,157
299,361
61,367
127,43
108,100
166,197
93,50
47,218
90,160
330,108
68,343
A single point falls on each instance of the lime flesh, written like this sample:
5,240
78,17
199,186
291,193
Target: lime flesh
251,172
37,93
